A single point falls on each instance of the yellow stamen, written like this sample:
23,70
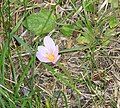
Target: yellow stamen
50,57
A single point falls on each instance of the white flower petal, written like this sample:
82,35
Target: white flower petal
55,52
58,57
42,51
49,43
42,58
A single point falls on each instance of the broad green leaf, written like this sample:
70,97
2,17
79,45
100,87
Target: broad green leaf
67,30
113,22
82,40
115,3
79,24
40,23
107,36
109,32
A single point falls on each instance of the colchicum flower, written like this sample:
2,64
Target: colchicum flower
49,52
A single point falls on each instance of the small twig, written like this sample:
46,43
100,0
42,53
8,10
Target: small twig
74,49
22,55
44,90
6,89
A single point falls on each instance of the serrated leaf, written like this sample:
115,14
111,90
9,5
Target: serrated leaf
67,30
113,22
40,23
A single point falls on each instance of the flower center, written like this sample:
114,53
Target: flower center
50,57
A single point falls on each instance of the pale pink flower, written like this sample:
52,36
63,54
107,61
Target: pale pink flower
49,52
